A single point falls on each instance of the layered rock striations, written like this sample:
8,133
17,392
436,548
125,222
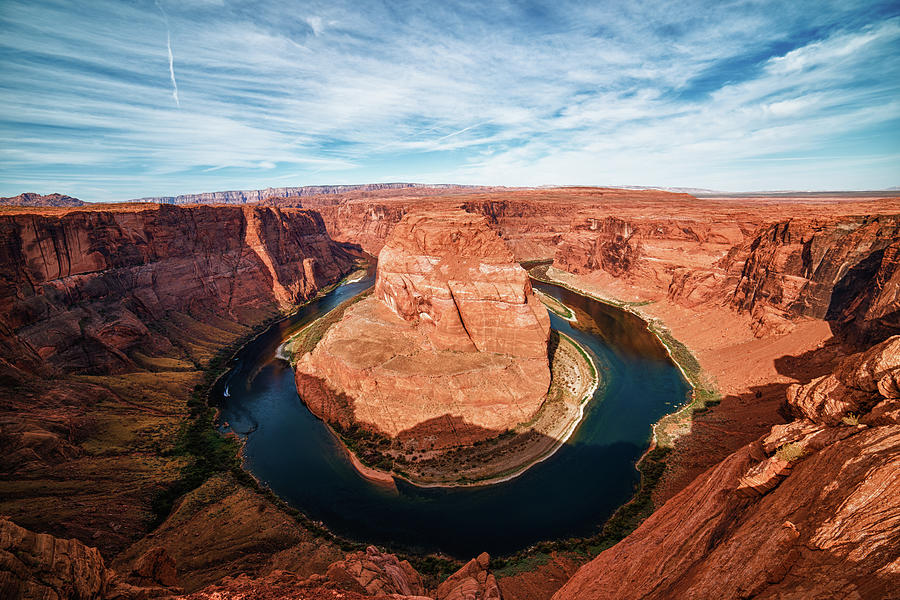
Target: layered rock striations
83,290
452,347
808,511
42,567
844,270
449,273
108,316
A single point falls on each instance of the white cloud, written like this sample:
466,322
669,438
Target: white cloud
359,92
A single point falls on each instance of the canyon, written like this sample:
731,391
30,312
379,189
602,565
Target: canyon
785,477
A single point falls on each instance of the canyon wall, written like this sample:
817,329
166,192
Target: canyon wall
81,291
809,509
449,272
844,270
748,254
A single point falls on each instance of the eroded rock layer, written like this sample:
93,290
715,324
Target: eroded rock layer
450,273
451,348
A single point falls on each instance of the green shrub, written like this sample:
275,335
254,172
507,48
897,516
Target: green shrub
790,452
851,419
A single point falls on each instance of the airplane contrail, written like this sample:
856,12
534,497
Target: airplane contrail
171,56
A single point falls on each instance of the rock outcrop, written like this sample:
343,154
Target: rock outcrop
37,565
808,511
868,380
42,567
83,290
449,273
452,347
374,572
472,582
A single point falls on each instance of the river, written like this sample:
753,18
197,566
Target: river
569,494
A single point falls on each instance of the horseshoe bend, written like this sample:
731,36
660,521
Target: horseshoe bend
451,350
642,343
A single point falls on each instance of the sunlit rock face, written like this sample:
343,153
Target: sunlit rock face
449,273
84,290
451,348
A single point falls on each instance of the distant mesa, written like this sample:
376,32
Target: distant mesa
258,196
33,199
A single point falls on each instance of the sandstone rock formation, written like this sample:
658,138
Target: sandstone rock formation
844,270
472,582
107,315
855,388
808,511
449,273
451,349
42,566
656,244
139,294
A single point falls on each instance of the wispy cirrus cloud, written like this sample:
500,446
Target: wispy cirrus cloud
742,96
171,55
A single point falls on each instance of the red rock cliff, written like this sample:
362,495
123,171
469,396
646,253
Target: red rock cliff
450,273
81,289
844,270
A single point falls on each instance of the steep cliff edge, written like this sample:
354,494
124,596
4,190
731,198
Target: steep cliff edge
86,290
449,272
843,270
809,510
451,349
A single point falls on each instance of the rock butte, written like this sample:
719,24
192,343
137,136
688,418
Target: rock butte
789,303
450,349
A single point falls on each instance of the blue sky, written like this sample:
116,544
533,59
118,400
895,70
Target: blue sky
124,99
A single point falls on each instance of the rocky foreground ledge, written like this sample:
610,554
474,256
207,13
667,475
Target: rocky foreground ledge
39,566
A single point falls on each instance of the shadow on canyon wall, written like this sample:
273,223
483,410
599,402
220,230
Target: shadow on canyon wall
742,418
